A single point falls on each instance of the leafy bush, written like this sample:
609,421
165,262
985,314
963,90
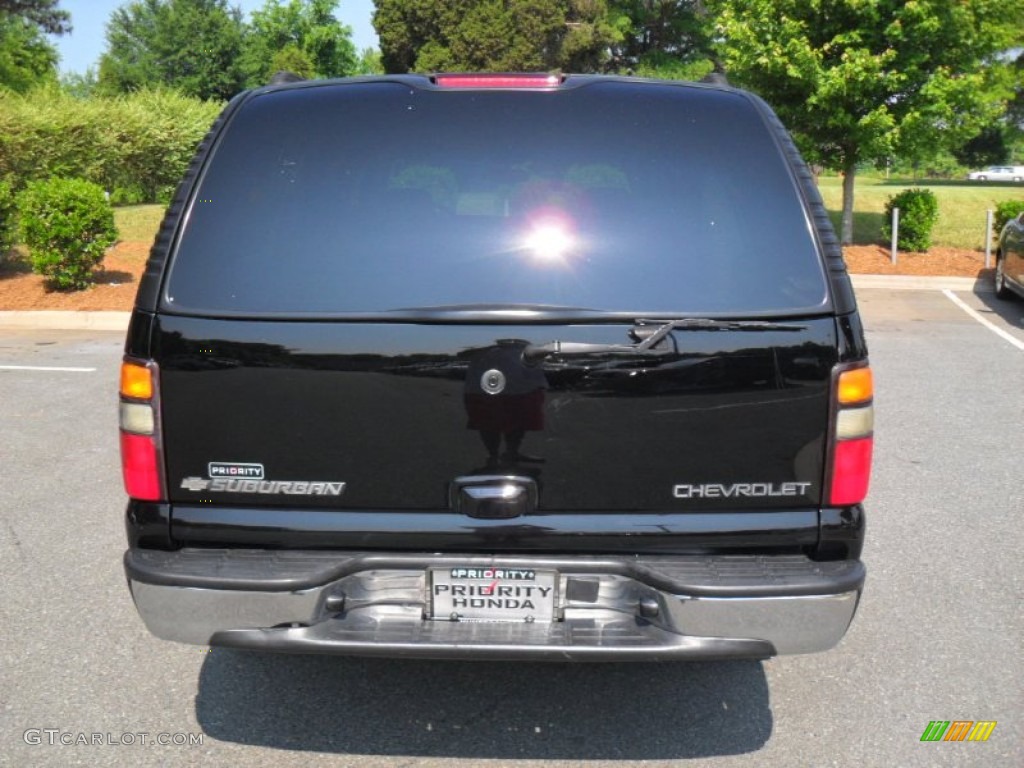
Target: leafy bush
155,137
8,218
165,194
130,195
140,143
919,210
68,226
1006,210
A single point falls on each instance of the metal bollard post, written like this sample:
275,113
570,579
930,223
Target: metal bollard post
988,238
895,233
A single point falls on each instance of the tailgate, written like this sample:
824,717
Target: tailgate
387,416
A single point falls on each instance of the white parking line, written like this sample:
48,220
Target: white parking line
987,323
45,368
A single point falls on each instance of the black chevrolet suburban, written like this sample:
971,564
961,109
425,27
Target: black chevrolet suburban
497,366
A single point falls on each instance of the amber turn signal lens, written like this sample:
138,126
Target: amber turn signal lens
855,386
136,381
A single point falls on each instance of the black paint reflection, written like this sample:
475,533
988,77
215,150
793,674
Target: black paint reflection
504,399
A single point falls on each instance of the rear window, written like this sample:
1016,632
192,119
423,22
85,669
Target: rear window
374,197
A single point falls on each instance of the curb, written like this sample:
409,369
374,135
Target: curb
118,321
911,282
65,320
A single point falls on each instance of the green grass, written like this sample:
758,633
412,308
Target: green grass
962,207
138,222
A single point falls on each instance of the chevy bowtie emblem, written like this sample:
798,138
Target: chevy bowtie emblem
493,382
195,484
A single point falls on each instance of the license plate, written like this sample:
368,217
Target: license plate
471,593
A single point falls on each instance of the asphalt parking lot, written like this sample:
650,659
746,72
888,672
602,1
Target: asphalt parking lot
937,636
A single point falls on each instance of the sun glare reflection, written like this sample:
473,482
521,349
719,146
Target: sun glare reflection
549,241
550,238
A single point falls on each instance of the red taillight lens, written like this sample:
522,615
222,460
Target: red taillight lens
498,81
851,471
852,435
140,437
139,464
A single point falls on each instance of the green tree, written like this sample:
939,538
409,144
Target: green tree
27,58
1015,111
42,14
858,80
1001,141
370,63
1013,123
989,147
306,27
191,45
661,38
292,59
494,35
78,85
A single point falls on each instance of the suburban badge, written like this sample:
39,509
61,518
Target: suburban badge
235,477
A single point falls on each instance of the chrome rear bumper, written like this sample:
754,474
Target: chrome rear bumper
646,609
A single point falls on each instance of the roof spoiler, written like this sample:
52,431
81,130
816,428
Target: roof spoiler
284,76
715,78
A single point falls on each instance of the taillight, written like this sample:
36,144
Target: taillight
140,435
538,80
852,435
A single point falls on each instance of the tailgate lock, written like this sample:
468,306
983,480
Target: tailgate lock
493,497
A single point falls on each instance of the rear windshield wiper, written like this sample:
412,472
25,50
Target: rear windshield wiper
648,334
643,330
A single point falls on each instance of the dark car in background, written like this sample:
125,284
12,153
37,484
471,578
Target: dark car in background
1009,278
497,366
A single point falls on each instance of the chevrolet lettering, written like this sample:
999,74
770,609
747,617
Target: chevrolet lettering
750,490
514,366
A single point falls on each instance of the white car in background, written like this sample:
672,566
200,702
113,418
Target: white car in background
998,173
